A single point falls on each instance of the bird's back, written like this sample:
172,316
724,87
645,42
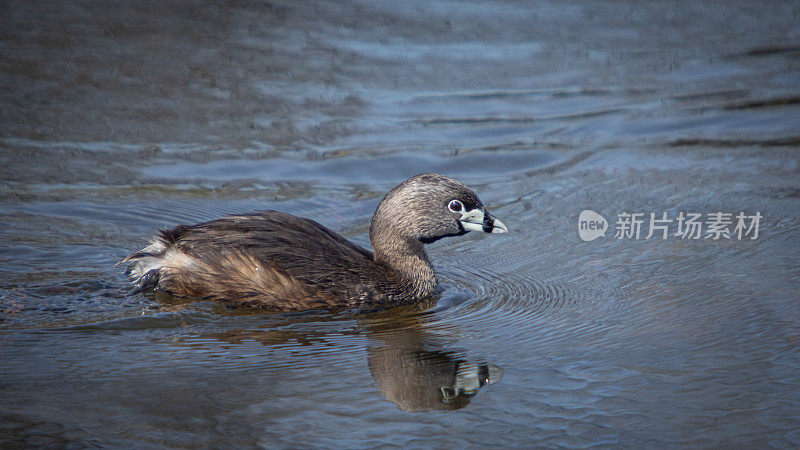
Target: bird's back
268,259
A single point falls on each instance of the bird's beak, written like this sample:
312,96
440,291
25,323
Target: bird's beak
480,220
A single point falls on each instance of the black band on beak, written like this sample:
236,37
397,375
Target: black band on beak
488,223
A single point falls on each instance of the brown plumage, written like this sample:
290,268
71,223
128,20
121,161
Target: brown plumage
279,261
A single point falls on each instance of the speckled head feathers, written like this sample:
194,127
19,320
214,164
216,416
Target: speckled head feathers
422,208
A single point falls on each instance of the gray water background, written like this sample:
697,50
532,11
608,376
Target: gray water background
121,118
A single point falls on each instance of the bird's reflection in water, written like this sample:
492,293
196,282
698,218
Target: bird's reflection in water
416,371
412,367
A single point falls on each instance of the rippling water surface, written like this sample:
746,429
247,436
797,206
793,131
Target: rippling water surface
118,121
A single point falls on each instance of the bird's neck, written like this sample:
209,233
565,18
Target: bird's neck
407,259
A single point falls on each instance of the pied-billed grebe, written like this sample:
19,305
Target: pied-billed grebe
279,261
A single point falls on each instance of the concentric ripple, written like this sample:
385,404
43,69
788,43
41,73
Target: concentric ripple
513,295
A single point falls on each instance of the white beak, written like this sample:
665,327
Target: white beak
478,220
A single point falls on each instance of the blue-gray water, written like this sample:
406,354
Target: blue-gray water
121,118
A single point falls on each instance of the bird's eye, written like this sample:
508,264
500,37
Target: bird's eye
455,206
